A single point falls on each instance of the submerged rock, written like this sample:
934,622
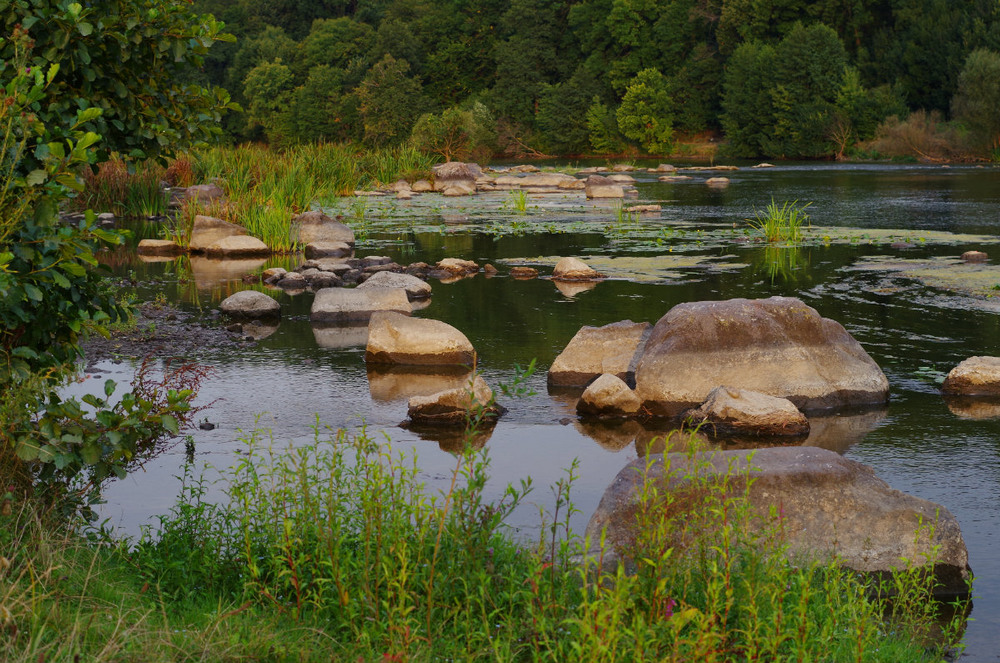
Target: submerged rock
353,304
397,339
465,406
822,505
728,411
250,304
592,351
777,346
608,397
976,376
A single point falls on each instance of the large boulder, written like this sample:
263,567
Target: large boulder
777,346
612,349
205,194
397,339
608,397
574,269
598,186
250,304
822,505
470,404
740,412
351,304
237,246
415,288
315,227
976,376
455,174
323,249
207,230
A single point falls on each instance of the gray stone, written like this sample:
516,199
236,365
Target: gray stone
346,305
608,397
250,304
822,505
207,230
325,249
204,194
237,246
613,349
415,288
397,339
777,346
740,412
315,226
598,186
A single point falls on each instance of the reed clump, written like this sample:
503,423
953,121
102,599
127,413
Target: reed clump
781,223
336,550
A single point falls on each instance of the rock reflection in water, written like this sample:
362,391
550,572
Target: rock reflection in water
258,329
839,432
340,336
454,440
210,272
967,407
402,383
573,288
143,257
613,436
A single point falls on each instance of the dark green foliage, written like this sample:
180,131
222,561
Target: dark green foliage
644,115
391,101
977,101
747,101
456,134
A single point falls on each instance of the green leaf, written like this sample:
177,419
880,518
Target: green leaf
85,28
109,388
88,114
91,453
33,292
170,423
27,449
53,70
36,177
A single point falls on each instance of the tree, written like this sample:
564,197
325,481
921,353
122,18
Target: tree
746,99
268,91
644,114
127,59
977,101
391,101
457,134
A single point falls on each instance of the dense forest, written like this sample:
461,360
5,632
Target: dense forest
794,78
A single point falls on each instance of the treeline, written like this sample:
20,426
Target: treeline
792,78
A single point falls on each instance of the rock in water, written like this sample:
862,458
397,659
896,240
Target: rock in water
729,411
608,397
976,376
777,346
316,227
396,339
351,304
595,350
470,404
250,304
821,504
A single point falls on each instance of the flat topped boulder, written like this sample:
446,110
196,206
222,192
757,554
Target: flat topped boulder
738,412
598,186
574,269
207,230
339,305
397,339
237,246
593,351
315,227
976,376
458,266
250,304
415,288
158,247
471,403
777,346
323,249
830,508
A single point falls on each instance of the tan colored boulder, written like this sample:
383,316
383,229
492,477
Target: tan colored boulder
822,505
422,186
400,186
415,288
674,178
207,230
237,246
574,269
623,168
468,405
204,194
353,304
976,376
250,304
458,266
593,351
315,227
717,181
458,188
573,184
777,346
326,249
664,168
598,186
975,256
522,272
620,178
608,397
158,247
740,412
397,339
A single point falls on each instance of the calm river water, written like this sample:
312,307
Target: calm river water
880,259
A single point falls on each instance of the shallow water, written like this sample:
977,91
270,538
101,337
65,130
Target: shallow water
695,249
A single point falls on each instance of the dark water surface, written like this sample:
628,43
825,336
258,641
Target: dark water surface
696,249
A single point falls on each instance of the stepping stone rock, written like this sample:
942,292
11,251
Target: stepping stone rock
777,346
574,269
237,246
415,288
831,508
737,412
608,397
324,249
250,304
353,304
976,376
158,247
458,266
598,186
612,349
397,339
207,230
717,181
456,407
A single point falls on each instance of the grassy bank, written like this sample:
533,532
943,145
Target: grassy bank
336,551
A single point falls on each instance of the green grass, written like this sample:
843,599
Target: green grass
781,223
336,550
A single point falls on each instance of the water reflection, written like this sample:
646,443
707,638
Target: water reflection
341,336
402,383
